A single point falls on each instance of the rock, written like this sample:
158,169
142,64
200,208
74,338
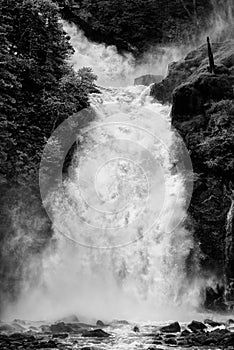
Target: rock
229,340
97,333
172,328
148,79
170,341
136,329
194,64
45,328
6,328
60,335
229,322
170,336
47,345
99,323
196,326
212,323
61,327
189,98
185,333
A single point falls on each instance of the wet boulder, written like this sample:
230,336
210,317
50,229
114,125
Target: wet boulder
96,333
60,335
61,327
136,329
148,79
171,328
212,323
196,326
185,333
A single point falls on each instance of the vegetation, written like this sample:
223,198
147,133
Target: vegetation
135,25
38,88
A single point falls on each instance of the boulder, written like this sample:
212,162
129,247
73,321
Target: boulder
61,327
136,329
148,79
99,323
171,328
60,335
185,333
196,326
97,333
212,323
194,64
170,341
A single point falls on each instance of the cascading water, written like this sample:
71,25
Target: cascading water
119,248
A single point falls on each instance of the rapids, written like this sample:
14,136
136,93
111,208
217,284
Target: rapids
119,248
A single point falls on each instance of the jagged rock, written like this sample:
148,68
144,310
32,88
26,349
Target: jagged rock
61,327
196,326
212,323
136,329
6,328
148,79
60,335
189,98
194,64
45,328
185,332
171,328
99,333
170,341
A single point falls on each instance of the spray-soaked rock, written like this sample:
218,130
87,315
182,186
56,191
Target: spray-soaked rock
148,79
171,328
196,326
97,333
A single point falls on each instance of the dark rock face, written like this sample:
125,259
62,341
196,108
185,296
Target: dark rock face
171,328
203,114
148,79
212,323
97,333
196,326
193,64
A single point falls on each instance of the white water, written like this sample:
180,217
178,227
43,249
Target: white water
119,248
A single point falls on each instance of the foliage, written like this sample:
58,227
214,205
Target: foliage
140,23
38,88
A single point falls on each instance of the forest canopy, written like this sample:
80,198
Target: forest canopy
38,87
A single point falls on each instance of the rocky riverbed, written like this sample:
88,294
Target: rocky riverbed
72,334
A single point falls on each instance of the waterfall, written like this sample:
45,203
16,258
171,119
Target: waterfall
120,246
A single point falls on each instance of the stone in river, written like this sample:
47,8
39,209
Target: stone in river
171,328
99,323
185,332
97,333
60,335
212,323
196,326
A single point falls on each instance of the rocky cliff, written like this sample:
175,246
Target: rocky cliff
203,114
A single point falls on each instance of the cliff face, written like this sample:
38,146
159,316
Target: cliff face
203,114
